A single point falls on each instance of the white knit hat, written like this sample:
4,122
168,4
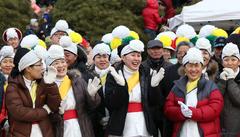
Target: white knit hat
11,33
61,25
133,46
193,55
54,52
101,49
6,51
67,44
230,50
27,60
203,43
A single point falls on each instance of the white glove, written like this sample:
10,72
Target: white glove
47,109
6,125
117,76
50,75
62,107
223,75
185,110
93,86
230,73
104,121
157,77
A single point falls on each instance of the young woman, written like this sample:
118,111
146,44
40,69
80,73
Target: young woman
210,67
6,66
78,98
194,103
12,37
30,97
229,85
128,95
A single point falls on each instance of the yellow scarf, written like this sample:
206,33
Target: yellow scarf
64,87
192,85
133,81
33,92
5,86
103,79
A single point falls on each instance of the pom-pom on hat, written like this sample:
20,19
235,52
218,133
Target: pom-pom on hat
186,30
54,52
230,49
193,55
11,33
206,30
121,32
107,38
29,41
133,46
6,52
61,25
67,44
101,49
203,43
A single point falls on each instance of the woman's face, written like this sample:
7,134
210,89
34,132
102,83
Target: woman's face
101,61
166,54
132,60
61,66
206,57
193,71
70,58
231,62
7,65
13,42
36,70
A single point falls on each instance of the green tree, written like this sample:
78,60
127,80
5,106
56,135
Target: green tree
14,13
94,18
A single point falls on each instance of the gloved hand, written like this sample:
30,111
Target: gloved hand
62,107
230,73
93,86
47,108
185,110
104,121
223,75
117,76
50,75
6,125
157,77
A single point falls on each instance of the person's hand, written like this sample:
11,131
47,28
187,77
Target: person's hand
62,107
223,75
47,108
50,75
117,76
157,77
104,121
230,73
93,86
185,110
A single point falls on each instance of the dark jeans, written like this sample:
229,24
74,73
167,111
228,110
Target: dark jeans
150,33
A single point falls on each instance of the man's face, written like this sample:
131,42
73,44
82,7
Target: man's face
218,52
155,52
56,37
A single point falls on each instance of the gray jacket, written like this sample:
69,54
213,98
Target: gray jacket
230,120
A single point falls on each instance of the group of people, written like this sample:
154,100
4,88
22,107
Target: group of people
70,89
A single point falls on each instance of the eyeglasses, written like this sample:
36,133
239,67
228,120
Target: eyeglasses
37,65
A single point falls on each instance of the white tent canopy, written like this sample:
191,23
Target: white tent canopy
221,13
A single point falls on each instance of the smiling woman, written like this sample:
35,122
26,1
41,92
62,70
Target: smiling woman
194,103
